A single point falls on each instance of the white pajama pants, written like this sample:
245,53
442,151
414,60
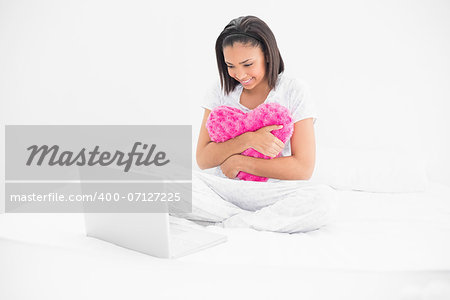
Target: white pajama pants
286,206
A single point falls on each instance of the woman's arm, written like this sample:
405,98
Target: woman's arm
210,154
299,166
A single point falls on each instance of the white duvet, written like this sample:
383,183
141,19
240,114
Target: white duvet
285,206
379,246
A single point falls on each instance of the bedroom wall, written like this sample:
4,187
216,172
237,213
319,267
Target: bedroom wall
379,71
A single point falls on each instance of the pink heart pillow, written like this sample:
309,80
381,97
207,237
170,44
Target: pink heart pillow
227,122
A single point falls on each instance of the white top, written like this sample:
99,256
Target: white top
289,92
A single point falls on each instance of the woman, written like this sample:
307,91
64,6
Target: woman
251,73
250,67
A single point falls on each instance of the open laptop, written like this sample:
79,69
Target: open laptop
150,233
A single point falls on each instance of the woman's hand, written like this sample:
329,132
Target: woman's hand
263,141
230,166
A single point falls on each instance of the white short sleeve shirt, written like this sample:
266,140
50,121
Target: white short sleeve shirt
290,92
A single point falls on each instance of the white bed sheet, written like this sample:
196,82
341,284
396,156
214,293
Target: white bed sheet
381,246
371,231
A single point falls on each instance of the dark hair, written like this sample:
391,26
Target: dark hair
249,30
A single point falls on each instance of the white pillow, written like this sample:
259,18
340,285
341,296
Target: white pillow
371,170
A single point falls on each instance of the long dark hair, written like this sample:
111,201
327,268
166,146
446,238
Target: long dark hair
254,31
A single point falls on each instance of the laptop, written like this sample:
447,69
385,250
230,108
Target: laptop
150,233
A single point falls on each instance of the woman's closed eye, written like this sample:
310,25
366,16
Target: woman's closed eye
248,65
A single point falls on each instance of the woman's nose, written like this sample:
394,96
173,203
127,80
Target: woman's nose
240,76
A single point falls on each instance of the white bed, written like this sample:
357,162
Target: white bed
380,246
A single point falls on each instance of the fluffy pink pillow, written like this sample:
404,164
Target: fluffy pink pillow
226,122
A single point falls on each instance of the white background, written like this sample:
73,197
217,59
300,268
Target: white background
379,71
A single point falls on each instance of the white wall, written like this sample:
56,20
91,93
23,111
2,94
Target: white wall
378,70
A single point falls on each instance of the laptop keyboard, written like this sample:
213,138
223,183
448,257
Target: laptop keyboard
177,230
180,243
183,237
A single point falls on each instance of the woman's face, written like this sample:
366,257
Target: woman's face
246,64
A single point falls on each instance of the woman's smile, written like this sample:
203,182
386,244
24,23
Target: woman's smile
247,82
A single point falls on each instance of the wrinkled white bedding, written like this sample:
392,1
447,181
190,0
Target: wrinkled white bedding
369,231
285,206
379,246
